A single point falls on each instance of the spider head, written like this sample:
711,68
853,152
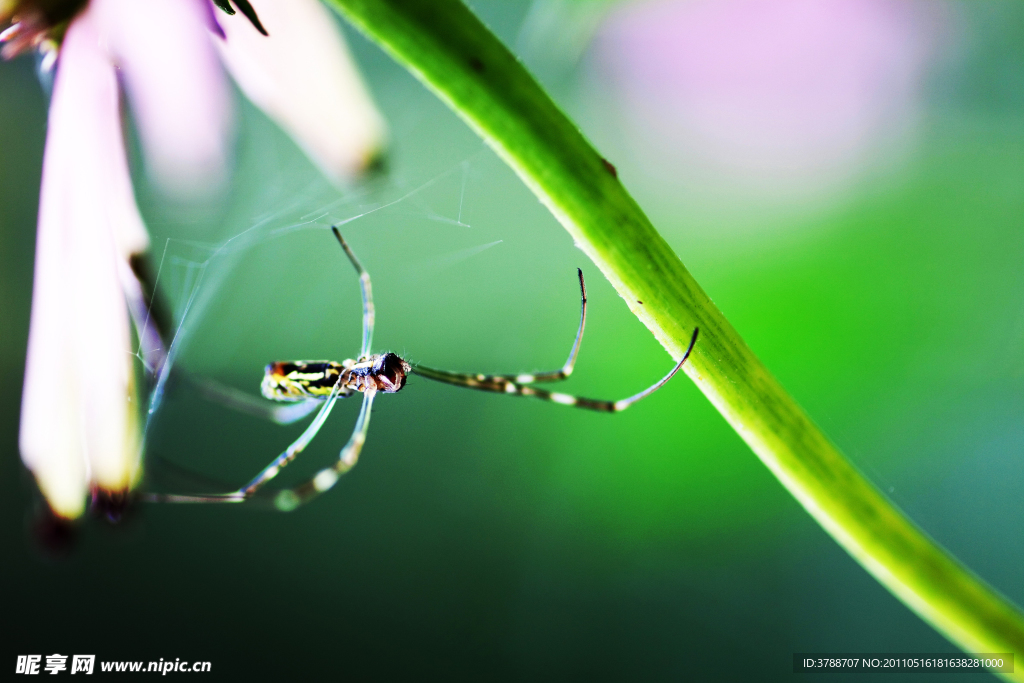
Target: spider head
389,370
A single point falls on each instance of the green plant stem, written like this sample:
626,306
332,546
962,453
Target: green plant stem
444,45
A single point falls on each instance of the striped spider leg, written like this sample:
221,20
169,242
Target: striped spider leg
521,384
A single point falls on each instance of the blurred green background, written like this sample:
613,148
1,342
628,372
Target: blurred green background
487,537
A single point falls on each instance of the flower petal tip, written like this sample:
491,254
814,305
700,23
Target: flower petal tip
65,495
304,78
376,164
112,505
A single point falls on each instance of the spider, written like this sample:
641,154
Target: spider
312,383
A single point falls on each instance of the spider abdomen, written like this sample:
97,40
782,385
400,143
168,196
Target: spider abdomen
302,380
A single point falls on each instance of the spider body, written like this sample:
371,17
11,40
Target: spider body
315,380
322,383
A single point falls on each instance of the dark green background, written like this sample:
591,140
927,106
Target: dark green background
486,537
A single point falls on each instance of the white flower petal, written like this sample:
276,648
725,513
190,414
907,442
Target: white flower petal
303,77
76,423
177,88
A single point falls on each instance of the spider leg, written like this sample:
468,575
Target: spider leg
243,402
502,385
570,363
367,292
268,472
289,499
499,382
